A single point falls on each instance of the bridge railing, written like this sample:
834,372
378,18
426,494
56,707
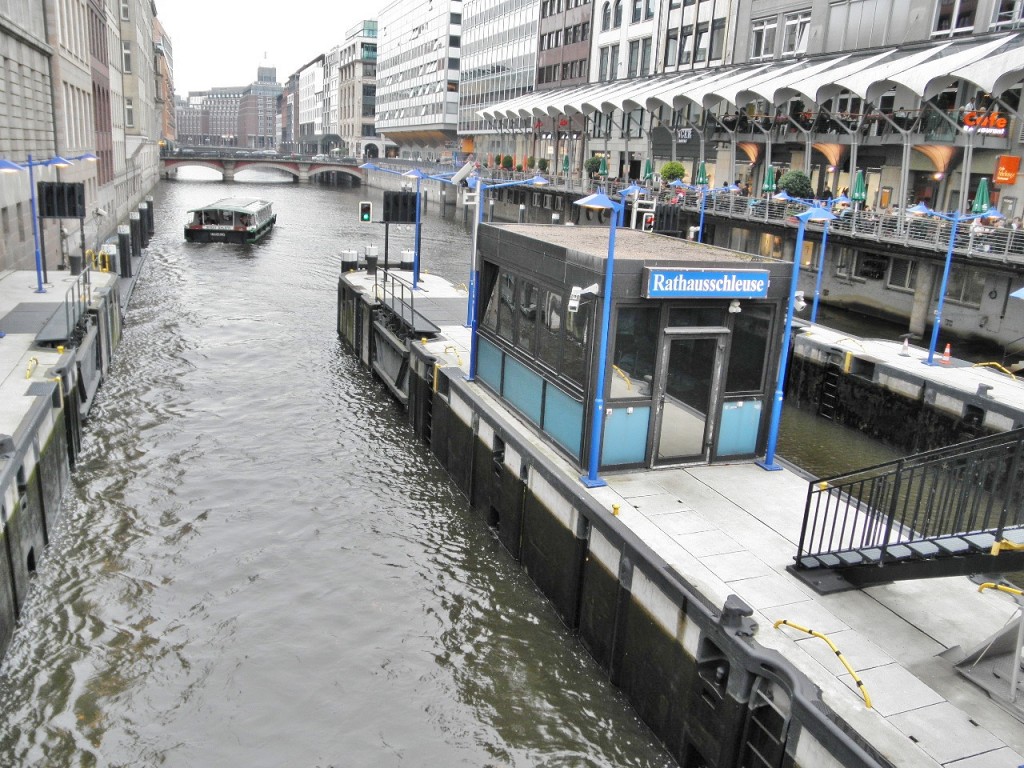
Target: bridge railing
972,487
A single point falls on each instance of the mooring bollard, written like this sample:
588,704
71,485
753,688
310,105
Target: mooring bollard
490,211
522,213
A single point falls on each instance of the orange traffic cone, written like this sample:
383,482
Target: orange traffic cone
945,356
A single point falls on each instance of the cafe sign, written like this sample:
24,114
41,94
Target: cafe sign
1006,169
989,123
705,283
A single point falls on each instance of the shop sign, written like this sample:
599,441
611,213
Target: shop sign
662,283
990,123
684,134
1006,169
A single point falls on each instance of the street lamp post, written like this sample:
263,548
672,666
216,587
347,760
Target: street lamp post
600,200
773,425
474,270
9,166
702,182
954,219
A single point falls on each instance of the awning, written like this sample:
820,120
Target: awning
992,62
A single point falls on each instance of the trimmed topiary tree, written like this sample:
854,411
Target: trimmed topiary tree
593,165
506,162
672,170
542,165
796,184
531,162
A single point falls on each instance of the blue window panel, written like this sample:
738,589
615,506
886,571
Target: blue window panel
625,436
563,419
737,433
488,363
523,388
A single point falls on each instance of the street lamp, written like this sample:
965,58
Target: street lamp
474,270
624,194
773,426
601,201
8,166
954,218
702,182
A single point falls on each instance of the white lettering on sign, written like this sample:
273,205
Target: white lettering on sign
722,284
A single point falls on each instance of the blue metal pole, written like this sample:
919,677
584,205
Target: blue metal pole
474,281
776,418
591,479
955,219
821,269
416,244
35,225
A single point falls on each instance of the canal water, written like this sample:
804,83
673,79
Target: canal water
260,565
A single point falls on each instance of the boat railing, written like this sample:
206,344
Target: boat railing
972,488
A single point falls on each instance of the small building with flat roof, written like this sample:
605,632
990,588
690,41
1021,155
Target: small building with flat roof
693,344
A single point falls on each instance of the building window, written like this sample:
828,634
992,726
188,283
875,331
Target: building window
902,274
701,46
684,45
126,57
955,17
649,9
129,113
671,47
606,16
795,31
716,51
966,286
613,63
762,39
1008,14
125,4
638,11
602,71
617,20
634,58
645,56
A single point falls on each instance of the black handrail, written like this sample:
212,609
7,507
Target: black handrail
969,488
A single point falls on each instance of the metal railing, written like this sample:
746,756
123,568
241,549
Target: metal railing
76,301
972,487
926,232
397,295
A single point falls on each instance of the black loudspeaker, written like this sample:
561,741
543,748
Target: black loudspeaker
60,200
400,207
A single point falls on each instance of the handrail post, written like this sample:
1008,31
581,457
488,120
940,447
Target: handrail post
1012,485
893,503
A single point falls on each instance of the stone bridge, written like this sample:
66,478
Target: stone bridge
302,171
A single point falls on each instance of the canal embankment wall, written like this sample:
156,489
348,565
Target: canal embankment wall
56,348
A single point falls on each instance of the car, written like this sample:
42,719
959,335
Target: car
243,153
266,153
320,158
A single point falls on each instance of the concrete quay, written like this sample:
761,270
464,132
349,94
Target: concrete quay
56,347
680,538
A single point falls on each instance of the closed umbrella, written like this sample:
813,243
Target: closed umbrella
648,169
603,170
565,164
860,189
981,201
769,180
702,175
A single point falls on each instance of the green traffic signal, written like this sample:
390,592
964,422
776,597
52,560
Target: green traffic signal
365,211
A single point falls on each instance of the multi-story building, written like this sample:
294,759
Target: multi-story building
141,123
418,62
312,79
357,97
164,65
81,87
257,111
499,62
241,116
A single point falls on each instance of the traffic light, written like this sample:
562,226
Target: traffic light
366,211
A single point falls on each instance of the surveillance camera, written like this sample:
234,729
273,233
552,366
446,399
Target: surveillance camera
101,212
799,305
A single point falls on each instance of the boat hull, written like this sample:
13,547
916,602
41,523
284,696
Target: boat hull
239,236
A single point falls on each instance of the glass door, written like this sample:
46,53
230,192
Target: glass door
688,398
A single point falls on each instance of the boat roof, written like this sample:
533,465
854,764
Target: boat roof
235,204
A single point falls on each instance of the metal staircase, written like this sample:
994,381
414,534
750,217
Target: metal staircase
952,511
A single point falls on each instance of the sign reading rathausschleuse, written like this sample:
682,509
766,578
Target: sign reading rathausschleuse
705,283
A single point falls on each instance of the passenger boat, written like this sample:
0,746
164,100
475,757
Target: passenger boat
231,220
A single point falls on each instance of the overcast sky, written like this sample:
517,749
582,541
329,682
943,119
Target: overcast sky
222,42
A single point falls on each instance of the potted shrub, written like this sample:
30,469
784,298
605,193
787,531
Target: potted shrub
592,165
672,170
796,184
506,162
542,165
